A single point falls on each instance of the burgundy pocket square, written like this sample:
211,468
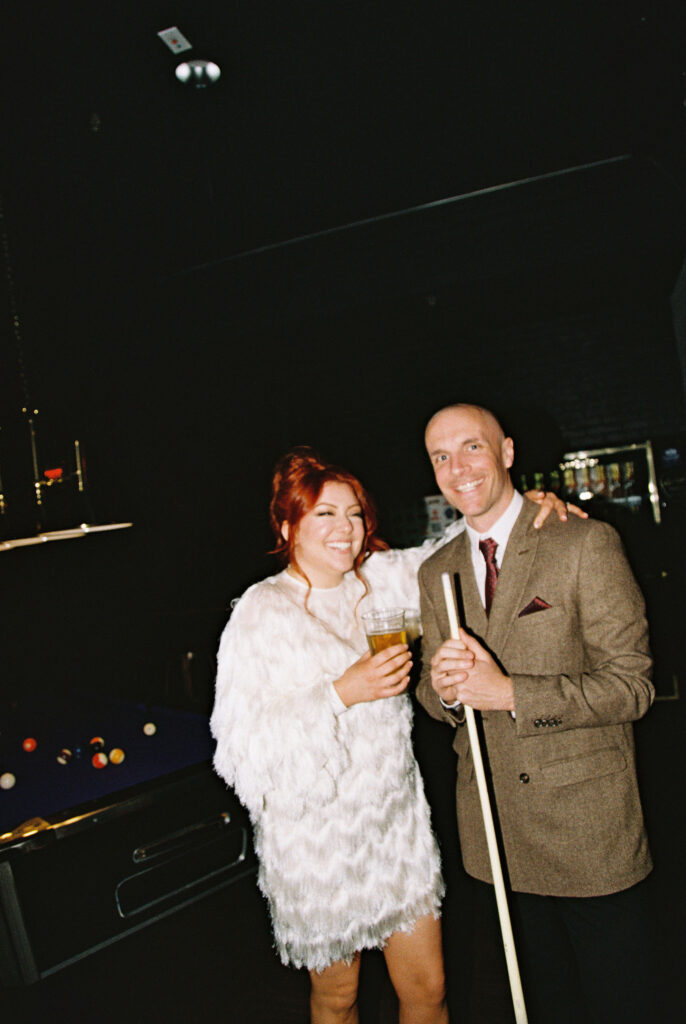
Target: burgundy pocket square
537,605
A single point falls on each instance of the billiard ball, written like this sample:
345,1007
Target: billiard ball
149,728
78,751
64,756
99,760
7,780
29,744
117,755
97,744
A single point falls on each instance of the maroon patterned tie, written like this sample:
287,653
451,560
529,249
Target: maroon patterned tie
488,549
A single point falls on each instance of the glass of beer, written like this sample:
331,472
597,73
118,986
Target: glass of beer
384,628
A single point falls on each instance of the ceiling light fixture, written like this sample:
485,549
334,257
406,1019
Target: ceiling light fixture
199,73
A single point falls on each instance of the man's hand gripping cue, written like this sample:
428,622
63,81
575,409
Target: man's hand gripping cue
462,670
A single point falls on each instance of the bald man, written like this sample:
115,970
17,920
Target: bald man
556,659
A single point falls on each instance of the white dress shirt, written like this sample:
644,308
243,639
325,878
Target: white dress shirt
500,533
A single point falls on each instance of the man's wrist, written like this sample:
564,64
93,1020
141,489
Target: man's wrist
451,707
511,702
455,710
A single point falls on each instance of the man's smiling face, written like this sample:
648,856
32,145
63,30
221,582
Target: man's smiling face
471,458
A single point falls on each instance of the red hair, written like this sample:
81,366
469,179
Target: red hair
298,480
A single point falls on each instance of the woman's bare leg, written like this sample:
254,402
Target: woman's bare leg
333,998
415,965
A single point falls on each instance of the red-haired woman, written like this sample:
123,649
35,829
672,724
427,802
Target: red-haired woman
322,758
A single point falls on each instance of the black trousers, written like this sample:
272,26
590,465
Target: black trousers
585,960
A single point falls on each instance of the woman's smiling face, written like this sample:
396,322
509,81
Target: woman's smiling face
329,537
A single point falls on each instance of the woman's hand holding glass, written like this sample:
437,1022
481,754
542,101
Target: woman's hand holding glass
376,676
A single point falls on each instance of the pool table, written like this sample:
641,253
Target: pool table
89,855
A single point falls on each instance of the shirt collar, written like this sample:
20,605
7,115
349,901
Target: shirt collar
500,530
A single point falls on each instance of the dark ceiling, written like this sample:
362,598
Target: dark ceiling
324,115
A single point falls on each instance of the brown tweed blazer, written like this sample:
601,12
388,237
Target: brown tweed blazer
563,771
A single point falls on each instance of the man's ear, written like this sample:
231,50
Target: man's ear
508,452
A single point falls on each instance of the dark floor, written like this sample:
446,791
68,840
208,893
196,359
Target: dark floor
213,960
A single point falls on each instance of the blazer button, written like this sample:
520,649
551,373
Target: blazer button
538,723
524,778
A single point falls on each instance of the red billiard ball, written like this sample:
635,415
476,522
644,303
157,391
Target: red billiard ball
99,760
29,744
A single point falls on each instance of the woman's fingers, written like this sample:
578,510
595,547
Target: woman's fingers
392,670
394,684
389,653
388,662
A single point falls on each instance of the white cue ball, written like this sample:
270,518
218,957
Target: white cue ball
7,780
149,728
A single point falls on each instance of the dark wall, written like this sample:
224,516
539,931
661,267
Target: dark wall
185,389
183,410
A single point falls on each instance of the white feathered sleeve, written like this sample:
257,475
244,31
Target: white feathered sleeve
275,712
392,575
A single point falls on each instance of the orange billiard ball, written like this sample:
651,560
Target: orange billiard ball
117,755
29,744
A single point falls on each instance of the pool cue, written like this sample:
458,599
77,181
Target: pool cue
493,854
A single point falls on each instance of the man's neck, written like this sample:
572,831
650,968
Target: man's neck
483,523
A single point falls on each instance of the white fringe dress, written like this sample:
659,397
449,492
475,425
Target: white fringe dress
341,824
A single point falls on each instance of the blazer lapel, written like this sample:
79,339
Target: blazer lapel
472,610
513,577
